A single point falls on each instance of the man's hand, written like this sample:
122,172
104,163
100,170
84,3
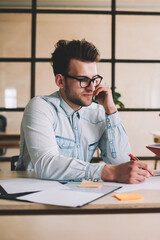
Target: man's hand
130,172
104,97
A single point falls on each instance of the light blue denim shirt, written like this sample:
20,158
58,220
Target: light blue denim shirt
58,143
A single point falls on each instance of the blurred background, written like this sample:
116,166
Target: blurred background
127,33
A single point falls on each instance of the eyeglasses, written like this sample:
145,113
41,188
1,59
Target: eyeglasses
86,81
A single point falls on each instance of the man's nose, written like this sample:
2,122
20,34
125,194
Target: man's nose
91,86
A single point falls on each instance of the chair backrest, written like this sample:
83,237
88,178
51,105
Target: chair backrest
14,160
3,125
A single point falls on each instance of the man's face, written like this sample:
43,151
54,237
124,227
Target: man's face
73,94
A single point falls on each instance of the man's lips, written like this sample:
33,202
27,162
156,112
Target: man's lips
90,95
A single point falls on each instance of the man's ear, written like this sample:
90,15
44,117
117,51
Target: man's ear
60,81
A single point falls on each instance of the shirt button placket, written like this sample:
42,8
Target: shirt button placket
76,134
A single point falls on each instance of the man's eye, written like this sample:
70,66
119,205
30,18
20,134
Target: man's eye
84,79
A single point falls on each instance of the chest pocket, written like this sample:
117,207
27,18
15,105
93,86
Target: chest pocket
66,146
91,149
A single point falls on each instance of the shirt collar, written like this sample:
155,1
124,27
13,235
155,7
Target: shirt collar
67,109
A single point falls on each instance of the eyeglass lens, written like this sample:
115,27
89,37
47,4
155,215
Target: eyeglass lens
87,81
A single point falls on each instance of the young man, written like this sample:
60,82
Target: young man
60,132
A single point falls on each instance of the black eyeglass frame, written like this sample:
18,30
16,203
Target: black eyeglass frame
91,79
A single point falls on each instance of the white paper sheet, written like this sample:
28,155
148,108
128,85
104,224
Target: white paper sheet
152,183
53,192
71,197
19,185
67,198
102,190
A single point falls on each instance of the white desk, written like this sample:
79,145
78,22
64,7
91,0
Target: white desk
99,220
107,204
78,227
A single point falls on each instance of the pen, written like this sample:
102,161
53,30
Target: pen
136,159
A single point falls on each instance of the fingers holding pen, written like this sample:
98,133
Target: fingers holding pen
142,170
137,173
145,165
131,172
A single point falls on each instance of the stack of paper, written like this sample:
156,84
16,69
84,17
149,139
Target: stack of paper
52,192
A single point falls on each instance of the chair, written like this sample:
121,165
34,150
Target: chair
3,125
14,160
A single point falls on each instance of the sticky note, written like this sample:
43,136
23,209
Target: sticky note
128,196
90,184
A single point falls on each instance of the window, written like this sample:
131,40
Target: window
126,33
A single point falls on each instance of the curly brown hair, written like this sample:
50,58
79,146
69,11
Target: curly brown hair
75,49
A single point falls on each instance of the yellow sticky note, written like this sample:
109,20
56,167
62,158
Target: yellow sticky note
128,196
90,184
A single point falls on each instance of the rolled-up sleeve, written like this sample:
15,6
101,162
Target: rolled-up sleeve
114,143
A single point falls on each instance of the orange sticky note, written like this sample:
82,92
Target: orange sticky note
90,184
128,196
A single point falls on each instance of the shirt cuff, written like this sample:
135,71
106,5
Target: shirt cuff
113,119
93,171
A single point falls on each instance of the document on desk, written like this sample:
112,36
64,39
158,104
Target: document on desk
53,192
72,196
29,184
152,183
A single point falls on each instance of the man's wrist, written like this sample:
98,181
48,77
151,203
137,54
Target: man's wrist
110,110
109,173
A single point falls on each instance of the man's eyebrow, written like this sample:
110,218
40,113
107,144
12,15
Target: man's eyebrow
87,76
82,76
